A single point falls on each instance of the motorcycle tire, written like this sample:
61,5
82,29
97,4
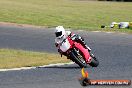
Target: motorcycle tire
94,62
75,58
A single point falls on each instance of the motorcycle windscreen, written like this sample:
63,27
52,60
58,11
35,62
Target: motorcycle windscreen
65,45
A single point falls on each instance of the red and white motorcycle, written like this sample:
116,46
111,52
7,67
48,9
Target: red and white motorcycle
77,53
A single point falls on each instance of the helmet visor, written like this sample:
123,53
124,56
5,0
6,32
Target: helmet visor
58,33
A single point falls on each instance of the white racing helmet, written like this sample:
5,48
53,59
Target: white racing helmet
59,31
114,24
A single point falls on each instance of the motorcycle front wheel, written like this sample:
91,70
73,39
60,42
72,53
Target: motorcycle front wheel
94,62
77,58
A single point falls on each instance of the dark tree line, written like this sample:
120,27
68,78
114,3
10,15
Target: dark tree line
117,0
121,0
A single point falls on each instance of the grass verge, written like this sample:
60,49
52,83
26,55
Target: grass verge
76,14
10,58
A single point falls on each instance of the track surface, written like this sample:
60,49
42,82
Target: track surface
114,51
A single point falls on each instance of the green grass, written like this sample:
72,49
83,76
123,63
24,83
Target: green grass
18,58
75,14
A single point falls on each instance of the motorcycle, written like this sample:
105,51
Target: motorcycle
77,53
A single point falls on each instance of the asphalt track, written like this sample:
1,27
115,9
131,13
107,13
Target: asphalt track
114,51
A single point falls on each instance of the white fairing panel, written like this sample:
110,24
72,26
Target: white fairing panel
65,45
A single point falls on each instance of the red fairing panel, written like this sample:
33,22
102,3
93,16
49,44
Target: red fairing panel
70,41
84,51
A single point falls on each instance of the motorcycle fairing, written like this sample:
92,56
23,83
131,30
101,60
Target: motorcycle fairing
84,51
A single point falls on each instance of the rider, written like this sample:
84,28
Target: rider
61,34
120,24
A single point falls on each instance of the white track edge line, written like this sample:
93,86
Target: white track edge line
26,68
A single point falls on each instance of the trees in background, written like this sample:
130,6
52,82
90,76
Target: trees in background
117,0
